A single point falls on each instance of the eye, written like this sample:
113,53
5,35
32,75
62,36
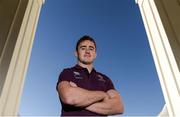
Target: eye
91,49
82,48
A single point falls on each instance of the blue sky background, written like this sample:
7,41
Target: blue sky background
123,54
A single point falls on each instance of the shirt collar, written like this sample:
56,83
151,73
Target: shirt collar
82,68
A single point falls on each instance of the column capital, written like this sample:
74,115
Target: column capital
139,2
41,1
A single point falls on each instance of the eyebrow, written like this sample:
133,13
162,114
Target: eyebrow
91,47
86,46
82,46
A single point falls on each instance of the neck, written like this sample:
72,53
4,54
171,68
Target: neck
89,67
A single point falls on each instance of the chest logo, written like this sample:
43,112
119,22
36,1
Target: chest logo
77,75
101,78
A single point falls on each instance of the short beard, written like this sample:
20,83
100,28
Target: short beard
84,62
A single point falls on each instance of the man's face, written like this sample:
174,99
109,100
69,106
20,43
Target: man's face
86,52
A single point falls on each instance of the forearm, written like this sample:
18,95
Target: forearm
73,95
105,108
82,97
100,108
108,106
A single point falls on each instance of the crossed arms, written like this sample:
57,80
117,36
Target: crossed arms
106,103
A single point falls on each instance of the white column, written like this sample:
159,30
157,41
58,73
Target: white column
15,74
164,49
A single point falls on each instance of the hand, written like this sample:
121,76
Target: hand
73,84
107,97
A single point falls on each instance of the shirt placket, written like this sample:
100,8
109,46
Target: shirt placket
88,79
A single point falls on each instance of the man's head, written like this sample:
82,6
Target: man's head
86,50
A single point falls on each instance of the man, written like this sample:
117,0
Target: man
82,90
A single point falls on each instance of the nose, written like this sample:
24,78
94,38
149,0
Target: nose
87,50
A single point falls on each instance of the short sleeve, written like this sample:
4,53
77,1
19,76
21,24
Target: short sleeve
109,85
65,75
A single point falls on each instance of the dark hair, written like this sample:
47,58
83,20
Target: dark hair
84,38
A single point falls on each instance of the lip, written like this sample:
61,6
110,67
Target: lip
87,55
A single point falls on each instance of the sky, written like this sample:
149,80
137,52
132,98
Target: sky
123,54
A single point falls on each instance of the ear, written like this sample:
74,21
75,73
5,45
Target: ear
75,53
96,55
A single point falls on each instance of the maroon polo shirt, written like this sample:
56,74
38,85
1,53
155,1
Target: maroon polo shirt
93,81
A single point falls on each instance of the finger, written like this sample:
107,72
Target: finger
73,84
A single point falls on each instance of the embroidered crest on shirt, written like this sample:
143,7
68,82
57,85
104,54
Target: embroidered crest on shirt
101,78
77,75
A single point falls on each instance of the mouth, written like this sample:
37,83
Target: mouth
87,55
